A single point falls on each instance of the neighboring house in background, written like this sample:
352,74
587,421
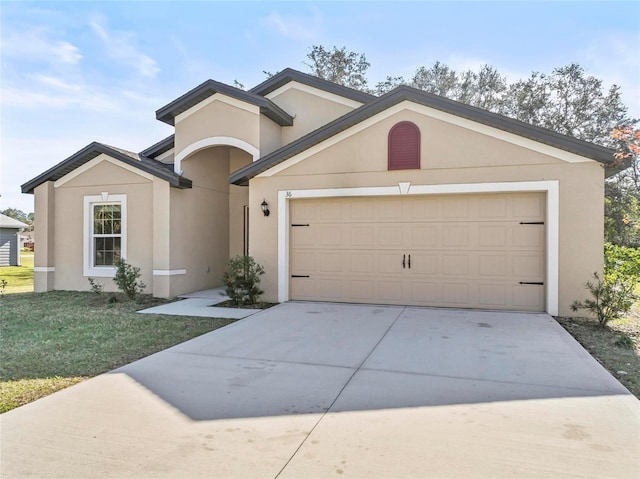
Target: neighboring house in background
407,198
10,240
27,239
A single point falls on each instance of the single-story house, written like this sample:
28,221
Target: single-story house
407,198
10,229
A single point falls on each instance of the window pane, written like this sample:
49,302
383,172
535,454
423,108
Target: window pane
107,219
107,251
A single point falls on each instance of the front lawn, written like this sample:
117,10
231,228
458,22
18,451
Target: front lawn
49,341
19,278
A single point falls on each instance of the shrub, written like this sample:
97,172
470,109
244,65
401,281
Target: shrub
242,280
621,261
95,286
127,278
613,297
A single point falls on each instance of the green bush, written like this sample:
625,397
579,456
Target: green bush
242,280
621,261
611,298
127,279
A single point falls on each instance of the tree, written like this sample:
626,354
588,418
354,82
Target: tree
387,85
622,191
438,79
339,65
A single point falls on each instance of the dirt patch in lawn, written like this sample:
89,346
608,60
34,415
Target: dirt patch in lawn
616,346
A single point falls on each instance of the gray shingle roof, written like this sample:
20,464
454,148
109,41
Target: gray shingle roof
288,74
93,150
159,148
402,93
9,222
203,91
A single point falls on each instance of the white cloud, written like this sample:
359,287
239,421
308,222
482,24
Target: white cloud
38,44
297,28
121,46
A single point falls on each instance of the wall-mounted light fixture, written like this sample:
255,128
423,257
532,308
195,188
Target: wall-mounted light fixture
265,208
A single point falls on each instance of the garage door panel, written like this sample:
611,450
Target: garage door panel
390,291
456,236
528,267
529,207
493,236
455,294
457,265
493,295
362,235
455,208
528,297
493,265
424,236
465,250
362,263
424,292
302,261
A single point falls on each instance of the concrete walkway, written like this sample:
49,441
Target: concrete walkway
201,304
313,390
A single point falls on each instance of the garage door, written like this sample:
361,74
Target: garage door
465,251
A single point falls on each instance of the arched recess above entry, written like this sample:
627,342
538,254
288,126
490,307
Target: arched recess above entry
214,141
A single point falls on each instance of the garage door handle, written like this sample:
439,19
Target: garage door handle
409,261
404,257
537,283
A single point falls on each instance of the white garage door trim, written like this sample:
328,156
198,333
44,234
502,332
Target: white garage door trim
551,188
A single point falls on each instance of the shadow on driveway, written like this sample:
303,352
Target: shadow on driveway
304,358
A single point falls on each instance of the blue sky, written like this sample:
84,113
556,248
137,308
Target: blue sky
75,72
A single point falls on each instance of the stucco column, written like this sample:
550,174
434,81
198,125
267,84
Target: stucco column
44,259
161,239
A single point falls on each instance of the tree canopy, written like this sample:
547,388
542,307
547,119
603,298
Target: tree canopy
567,100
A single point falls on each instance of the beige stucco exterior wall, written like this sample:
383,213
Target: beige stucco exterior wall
217,118
450,155
206,221
270,136
310,111
44,260
238,199
68,217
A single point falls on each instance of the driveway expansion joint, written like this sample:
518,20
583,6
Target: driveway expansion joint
328,409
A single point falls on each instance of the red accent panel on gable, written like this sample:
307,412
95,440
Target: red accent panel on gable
404,146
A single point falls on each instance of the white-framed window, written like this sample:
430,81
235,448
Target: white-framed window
105,233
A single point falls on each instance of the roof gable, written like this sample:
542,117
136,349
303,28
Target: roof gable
95,149
159,148
405,93
203,91
288,75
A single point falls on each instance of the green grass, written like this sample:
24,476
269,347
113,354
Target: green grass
19,278
49,341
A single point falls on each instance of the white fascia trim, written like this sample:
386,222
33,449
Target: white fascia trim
438,115
169,272
221,98
552,221
214,141
44,269
87,244
99,159
314,91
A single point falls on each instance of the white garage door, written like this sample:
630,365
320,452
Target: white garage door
465,251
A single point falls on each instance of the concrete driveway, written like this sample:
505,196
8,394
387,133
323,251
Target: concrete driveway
313,390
